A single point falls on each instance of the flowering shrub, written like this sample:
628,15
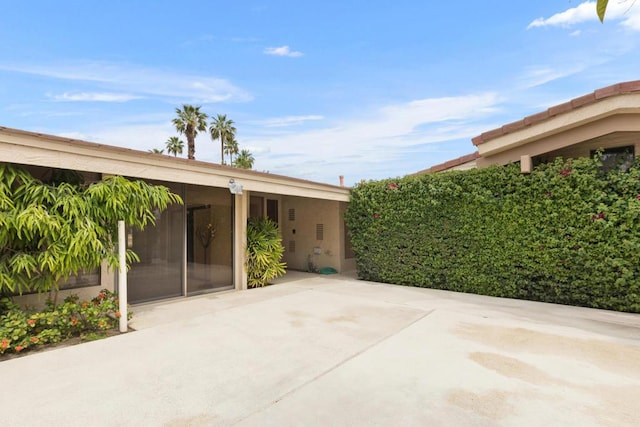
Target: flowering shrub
21,329
566,233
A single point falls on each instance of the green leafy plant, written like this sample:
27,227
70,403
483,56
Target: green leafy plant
566,233
21,329
264,252
51,231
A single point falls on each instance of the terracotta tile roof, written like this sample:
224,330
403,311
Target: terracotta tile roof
450,164
581,101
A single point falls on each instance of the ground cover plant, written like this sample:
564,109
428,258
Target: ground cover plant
566,233
22,330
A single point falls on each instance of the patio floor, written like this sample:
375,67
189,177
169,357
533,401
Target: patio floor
331,350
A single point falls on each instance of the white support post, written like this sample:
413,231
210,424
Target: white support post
122,276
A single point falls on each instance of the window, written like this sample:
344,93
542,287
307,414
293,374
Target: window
82,279
292,214
617,157
319,231
256,208
292,246
272,210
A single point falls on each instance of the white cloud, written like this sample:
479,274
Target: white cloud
94,96
583,12
538,76
139,81
385,142
374,145
289,120
618,10
141,137
282,51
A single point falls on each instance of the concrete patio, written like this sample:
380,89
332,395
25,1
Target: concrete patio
331,350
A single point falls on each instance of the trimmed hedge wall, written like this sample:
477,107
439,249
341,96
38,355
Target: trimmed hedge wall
566,233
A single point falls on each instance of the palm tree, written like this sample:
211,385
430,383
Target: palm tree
222,128
231,148
189,122
156,151
244,160
174,146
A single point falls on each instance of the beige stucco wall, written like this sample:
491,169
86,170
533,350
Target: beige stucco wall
309,212
302,230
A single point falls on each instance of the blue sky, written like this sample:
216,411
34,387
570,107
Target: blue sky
364,89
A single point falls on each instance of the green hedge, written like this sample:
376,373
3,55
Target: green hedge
566,233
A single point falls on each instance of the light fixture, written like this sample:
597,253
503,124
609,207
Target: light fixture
235,187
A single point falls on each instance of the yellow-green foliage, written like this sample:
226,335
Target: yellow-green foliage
264,252
50,231
566,233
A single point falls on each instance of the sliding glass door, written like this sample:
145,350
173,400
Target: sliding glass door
159,274
209,239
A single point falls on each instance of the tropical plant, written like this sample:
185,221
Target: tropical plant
156,151
189,122
174,146
231,148
49,232
244,160
222,128
264,252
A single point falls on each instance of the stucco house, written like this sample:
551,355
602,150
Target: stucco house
608,118
179,255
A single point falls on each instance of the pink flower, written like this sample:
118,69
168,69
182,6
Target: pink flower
376,216
566,172
392,186
31,322
4,343
638,197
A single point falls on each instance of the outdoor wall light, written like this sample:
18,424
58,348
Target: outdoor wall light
235,187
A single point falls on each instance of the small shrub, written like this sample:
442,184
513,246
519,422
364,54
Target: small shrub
21,329
264,252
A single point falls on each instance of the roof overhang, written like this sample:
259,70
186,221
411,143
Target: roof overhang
29,148
556,122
